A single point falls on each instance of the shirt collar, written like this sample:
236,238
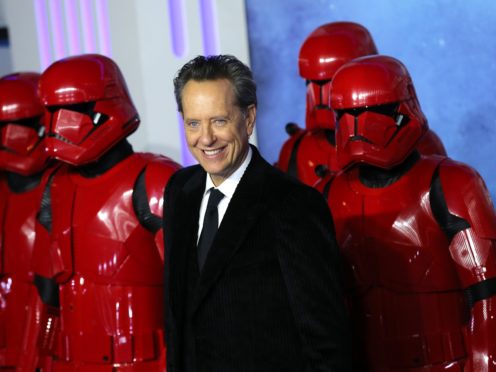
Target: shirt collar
229,185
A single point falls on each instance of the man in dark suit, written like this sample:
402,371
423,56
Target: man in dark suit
262,292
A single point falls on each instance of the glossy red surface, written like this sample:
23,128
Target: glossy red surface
316,147
22,147
313,149
415,246
18,96
108,267
318,109
17,237
431,144
366,134
331,45
287,148
469,197
84,78
90,108
405,277
371,81
325,51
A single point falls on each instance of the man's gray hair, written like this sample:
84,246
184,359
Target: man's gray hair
218,67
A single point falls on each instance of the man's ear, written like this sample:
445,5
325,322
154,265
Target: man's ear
251,116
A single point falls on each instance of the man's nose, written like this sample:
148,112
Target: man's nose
207,135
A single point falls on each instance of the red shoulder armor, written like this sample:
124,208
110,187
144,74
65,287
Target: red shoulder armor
467,197
316,156
151,185
290,147
158,172
431,144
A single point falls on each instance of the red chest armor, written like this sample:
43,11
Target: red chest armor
401,274
17,222
108,267
370,242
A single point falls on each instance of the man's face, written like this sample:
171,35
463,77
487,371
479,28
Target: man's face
216,130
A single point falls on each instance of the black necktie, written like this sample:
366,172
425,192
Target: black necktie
210,226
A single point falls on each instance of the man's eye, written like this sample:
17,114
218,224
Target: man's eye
220,121
193,124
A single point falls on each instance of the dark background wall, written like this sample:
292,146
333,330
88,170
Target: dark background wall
447,45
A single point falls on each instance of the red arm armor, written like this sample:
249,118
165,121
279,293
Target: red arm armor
468,198
473,248
156,176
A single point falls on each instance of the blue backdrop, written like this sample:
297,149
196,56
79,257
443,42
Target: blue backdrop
447,45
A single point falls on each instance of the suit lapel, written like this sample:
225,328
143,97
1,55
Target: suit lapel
242,213
186,225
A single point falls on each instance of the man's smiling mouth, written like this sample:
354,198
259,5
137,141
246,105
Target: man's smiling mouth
213,152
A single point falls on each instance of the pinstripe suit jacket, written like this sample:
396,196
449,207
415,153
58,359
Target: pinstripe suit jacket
268,297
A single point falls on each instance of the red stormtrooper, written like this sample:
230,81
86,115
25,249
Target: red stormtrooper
308,153
311,153
417,232
23,160
99,265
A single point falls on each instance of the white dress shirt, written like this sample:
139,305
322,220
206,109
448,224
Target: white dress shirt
228,187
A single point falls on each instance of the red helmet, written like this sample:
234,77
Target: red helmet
324,51
379,119
22,147
89,106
